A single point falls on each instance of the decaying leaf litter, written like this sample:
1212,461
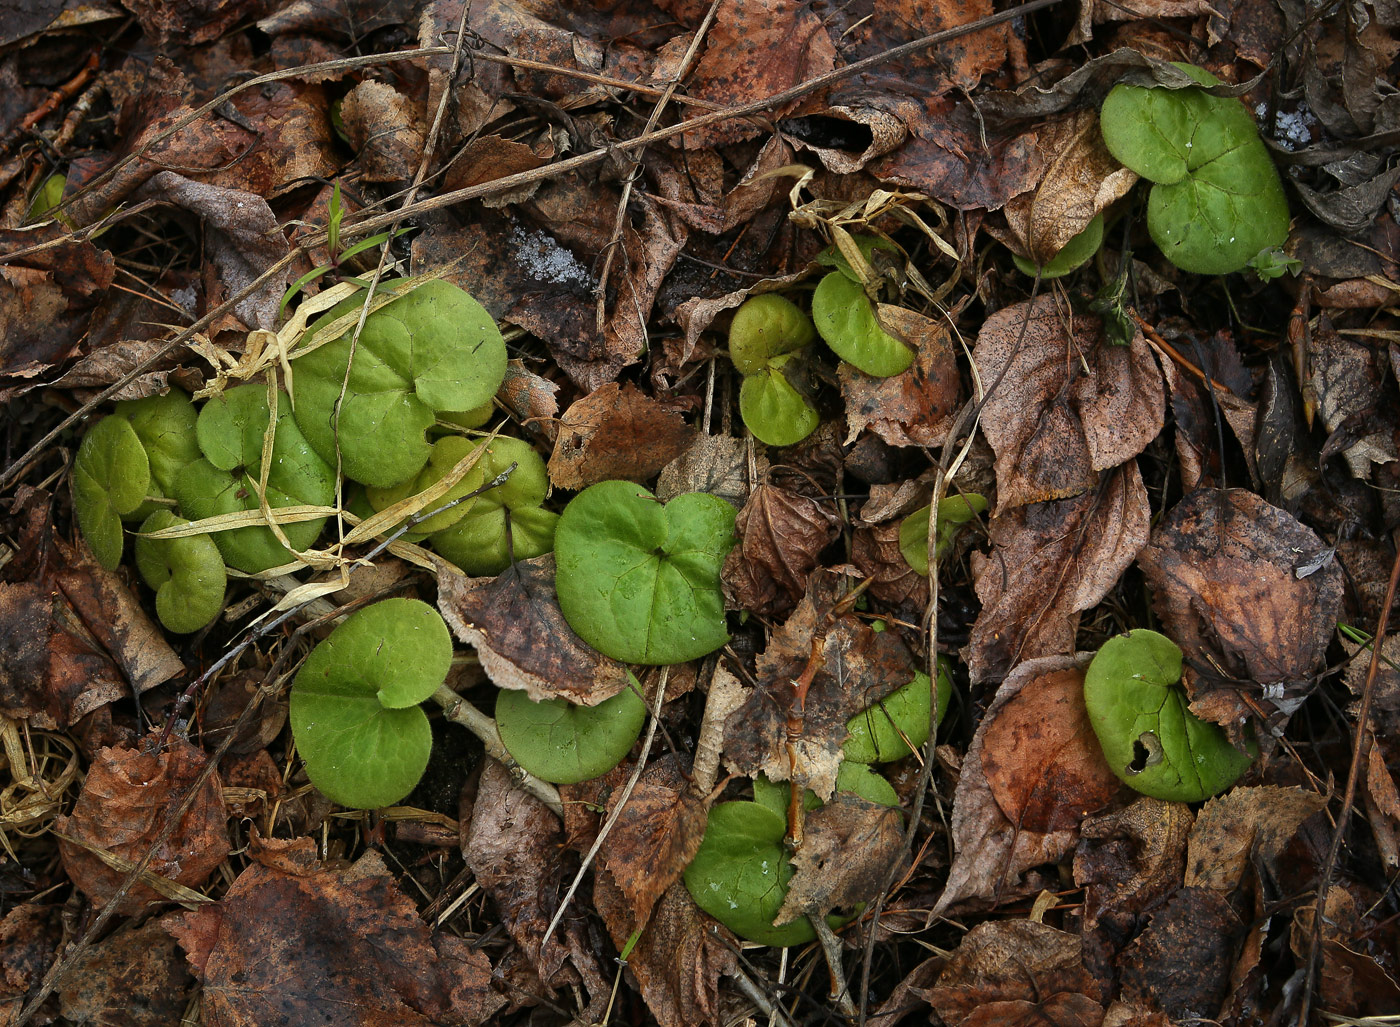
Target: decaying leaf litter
1212,458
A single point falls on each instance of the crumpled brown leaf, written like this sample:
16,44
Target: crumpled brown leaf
1062,403
616,432
386,129
1182,963
781,536
916,407
47,298
848,847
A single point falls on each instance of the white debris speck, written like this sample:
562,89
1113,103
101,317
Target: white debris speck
546,261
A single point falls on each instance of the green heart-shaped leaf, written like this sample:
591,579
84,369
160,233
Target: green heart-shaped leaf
354,704
434,349
563,743
230,431
953,513
877,735
773,410
1218,199
187,574
480,545
1149,737
764,327
846,320
111,478
638,581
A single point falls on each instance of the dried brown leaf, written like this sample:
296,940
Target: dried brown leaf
135,977
848,847
47,298
615,432
1181,964
914,408
386,129
781,537
1245,824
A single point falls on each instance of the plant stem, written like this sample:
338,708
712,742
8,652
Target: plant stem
459,711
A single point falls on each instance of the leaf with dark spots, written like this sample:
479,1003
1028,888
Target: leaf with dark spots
1223,569
1049,562
781,536
521,637
848,847
1182,963
849,665
1067,404
615,432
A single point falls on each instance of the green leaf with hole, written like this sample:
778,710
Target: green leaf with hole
1217,200
434,349
563,743
877,735
740,874
354,704
1149,737
845,318
1072,255
639,581
773,410
230,430
111,478
953,513
187,573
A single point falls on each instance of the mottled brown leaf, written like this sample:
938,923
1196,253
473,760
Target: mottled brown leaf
959,62
781,536
1181,964
531,398
717,464
1350,382
914,408
1050,562
1221,566
513,621
849,665
1245,824
282,948
656,835
29,935
848,847
386,129
135,977
1069,403
191,21
47,298
875,553
1014,962
128,798
990,851
1040,756
1196,410
615,432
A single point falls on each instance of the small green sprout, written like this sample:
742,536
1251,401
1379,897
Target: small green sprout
1217,200
639,581
354,704
766,334
560,742
1149,737
954,512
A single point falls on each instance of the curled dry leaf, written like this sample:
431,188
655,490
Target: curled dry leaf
128,798
781,537
1051,561
615,432
513,621
993,847
1069,404
1222,566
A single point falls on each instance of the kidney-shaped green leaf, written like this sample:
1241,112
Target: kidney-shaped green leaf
432,349
111,477
846,320
764,327
230,431
1149,737
563,743
773,410
639,581
354,703
187,574
878,734
166,427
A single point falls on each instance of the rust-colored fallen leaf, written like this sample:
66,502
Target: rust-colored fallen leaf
916,407
1050,562
615,432
514,623
288,948
128,798
1066,403
1181,964
781,536
29,935
47,299
1235,829
386,129
1223,569
134,977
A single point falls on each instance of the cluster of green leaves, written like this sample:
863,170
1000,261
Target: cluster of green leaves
1217,201
1149,736
767,332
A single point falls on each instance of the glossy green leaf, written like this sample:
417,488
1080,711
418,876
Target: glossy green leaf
230,431
563,743
639,581
166,427
845,318
433,349
774,411
1149,737
354,704
111,477
953,513
1071,256
877,735
187,574
1218,200
764,327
